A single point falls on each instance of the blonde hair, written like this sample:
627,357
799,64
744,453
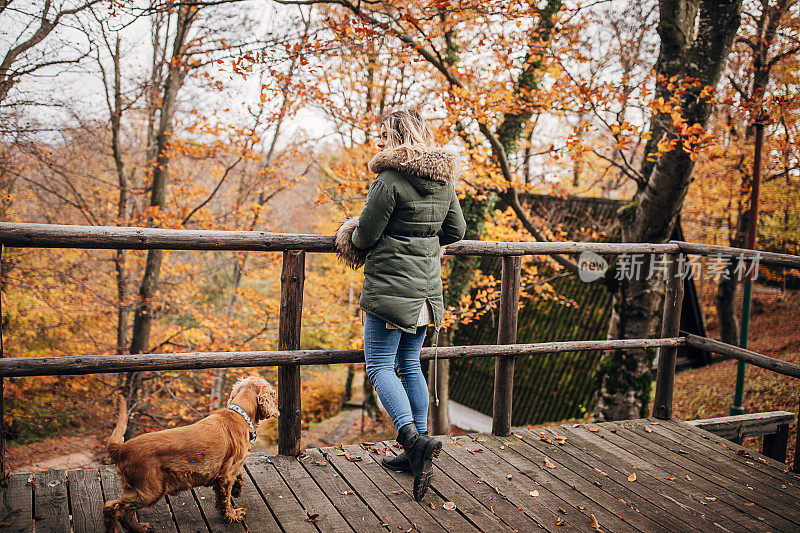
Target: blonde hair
408,131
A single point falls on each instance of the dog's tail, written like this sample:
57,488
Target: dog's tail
118,435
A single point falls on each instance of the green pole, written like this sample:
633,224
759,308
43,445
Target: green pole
752,223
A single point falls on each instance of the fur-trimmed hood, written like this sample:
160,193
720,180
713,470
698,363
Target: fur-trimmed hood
439,164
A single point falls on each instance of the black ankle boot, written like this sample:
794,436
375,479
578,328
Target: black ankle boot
420,450
399,463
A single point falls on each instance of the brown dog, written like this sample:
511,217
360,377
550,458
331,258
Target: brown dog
210,452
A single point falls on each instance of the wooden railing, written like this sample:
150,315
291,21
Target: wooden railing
289,357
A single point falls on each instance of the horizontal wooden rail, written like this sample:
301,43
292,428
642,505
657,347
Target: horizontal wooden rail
764,258
753,358
25,235
773,425
101,364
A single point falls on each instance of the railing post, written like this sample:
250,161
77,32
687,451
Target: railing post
774,444
292,279
670,327
796,462
506,334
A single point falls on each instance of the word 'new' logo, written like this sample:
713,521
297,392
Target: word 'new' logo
591,266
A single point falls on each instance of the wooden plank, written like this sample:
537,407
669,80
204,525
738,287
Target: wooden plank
101,364
482,492
259,517
311,497
287,510
746,500
159,515
207,501
51,502
466,503
342,495
506,334
696,489
715,461
16,507
86,500
542,509
737,426
289,323
187,514
367,490
399,494
670,324
575,491
747,465
770,466
451,520
678,511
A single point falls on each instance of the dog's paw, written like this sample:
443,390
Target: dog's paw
235,515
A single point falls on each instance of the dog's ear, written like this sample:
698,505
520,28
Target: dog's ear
267,402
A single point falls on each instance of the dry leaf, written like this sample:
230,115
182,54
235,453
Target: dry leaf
593,522
647,429
632,477
655,422
508,476
581,507
593,430
399,491
711,498
501,447
598,470
688,478
560,521
534,493
548,464
321,463
432,506
346,492
312,517
562,510
576,425
671,478
449,505
546,439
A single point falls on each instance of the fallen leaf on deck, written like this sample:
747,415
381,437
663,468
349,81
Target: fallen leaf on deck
598,470
312,517
548,464
560,521
562,510
546,439
632,477
432,506
346,492
711,498
534,493
655,422
576,425
671,478
321,463
762,460
509,476
449,505
647,429
501,447
688,478
593,430
398,491
593,522
581,507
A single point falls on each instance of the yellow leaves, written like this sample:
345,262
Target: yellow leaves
632,477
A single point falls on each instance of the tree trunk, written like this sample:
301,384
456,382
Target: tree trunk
143,314
624,377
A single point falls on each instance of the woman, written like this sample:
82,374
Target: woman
411,211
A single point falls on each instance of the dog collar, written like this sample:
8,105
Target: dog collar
236,409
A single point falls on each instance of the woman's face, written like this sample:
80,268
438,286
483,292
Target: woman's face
383,138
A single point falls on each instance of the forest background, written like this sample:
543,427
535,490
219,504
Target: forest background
261,115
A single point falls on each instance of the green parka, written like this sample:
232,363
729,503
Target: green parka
411,210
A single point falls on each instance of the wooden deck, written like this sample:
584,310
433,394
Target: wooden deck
636,475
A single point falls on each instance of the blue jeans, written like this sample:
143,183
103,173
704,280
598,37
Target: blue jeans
393,367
